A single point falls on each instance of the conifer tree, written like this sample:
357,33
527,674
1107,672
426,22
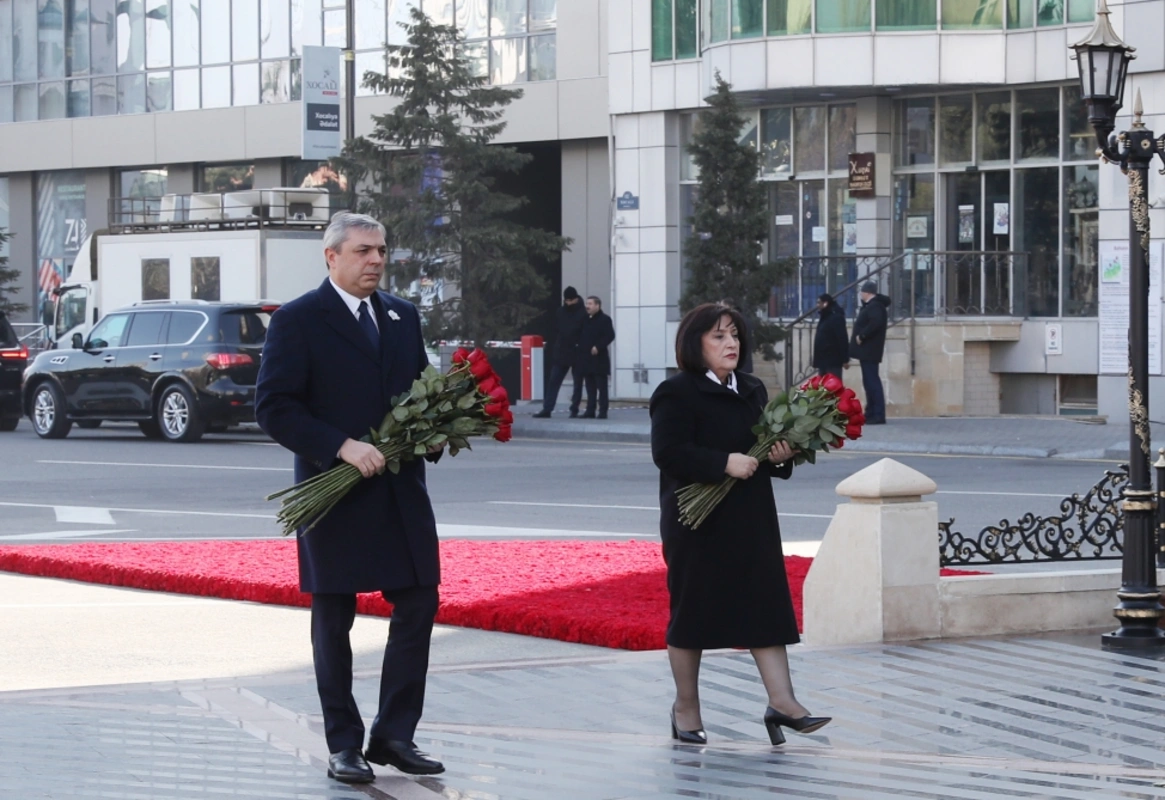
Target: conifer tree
8,278
429,171
724,252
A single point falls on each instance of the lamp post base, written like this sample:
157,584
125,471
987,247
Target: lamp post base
1133,639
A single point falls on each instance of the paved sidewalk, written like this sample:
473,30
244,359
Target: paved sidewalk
1019,436
516,718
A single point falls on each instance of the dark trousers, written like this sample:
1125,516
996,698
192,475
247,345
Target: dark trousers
596,384
875,400
557,376
402,676
823,371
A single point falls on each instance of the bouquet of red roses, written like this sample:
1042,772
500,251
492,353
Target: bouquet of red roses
818,415
440,409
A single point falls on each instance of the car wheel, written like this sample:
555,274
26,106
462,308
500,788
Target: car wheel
89,424
9,424
178,415
150,429
48,413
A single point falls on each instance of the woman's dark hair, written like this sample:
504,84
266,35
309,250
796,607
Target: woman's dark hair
697,322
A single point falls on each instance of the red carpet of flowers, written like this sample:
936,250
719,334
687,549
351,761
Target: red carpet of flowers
612,594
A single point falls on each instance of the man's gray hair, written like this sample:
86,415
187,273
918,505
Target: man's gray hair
343,222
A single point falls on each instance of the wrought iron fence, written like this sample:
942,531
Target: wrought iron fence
1088,527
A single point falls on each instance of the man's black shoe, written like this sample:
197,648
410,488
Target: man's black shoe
574,415
349,766
602,416
588,415
542,415
404,756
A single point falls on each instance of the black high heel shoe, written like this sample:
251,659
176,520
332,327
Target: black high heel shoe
686,737
775,719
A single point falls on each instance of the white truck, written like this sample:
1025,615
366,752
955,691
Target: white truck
241,246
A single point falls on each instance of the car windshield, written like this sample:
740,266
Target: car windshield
244,326
7,335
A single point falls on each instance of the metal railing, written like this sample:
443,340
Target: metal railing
275,208
32,335
919,284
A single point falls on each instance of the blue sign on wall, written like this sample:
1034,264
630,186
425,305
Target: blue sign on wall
627,202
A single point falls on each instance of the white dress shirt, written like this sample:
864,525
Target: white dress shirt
353,303
731,380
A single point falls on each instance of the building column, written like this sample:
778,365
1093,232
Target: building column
22,245
646,250
874,214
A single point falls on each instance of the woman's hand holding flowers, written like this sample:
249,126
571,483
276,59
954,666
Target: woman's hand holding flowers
780,452
740,466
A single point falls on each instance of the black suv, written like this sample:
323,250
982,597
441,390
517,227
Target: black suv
179,368
13,360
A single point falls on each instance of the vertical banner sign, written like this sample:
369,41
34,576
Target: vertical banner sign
321,103
1114,307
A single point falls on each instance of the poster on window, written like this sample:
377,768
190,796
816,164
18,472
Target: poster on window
966,224
60,232
1001,220
1114,307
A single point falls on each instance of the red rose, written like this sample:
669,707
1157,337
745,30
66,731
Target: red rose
477,355
852,431
838,444
460,355
480,369
815,382
832,383
499,395
848,406
504,434
849,394
507,417
495,409
858,419
489,383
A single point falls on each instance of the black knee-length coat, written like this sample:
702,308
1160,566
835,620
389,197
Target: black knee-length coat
727,578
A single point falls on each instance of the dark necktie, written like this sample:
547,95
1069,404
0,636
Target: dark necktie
368,326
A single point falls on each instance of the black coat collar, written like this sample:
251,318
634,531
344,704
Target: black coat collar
746,384
339,317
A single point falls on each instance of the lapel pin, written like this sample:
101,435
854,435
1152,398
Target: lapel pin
395,317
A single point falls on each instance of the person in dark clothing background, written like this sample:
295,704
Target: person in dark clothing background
594,358
568,329
830,342
867,346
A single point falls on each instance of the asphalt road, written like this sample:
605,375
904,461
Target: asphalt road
113,484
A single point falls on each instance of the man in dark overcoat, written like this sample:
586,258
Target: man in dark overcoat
568,324
867,346
830,341
594,355
332,361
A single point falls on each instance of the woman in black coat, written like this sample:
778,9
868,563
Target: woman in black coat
726,579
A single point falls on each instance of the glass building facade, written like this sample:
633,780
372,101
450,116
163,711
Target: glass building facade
676,24
80,58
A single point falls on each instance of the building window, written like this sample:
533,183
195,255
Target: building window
964,14
227,177
843,16
140,193
747,19
1025,182
906,15
60,230
788,17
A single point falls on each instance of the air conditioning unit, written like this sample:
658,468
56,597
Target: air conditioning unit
174,208
248,204
307,206
206,206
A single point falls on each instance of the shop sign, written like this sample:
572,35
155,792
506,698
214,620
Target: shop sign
861,175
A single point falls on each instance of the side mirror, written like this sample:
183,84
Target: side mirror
78,341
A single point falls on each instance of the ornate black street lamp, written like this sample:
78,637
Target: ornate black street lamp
1103,60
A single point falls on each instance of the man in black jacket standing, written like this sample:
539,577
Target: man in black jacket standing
594,358
830,342
568,329
867,346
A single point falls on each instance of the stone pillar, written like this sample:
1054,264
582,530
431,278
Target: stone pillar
875,577
873,136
